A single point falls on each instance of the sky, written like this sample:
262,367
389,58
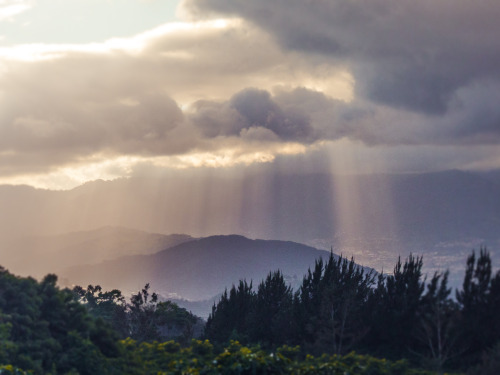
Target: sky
102,89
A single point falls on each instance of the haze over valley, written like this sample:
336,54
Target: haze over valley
368,128
84,233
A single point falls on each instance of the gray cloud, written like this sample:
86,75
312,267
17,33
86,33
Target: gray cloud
409,55
55,113
476,116
216,119
299,115
250,109
208,89
307,116
79,102
258,109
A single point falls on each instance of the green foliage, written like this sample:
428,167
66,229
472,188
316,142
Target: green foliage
324,315
479,300
109,306
144,318
271,317
490,363
46,330
393,309
7,347
141,315
437,327
9,369
175,322
339,308
330,306
199,358
230,317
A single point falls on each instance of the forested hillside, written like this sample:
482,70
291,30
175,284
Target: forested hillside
339,308
48,330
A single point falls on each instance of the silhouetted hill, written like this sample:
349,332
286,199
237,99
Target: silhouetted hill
202,268
38,255
373,217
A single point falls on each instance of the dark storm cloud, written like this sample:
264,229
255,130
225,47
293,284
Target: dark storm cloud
72,104
257,107
216,119
475,118
405,54
87,105
252,108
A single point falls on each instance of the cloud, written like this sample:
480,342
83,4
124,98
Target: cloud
223,91
180,88
424,73
475,118
10,8
251,109
412,55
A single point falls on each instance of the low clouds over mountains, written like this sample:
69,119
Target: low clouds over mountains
239,83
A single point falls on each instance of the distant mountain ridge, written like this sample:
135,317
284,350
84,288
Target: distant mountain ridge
437,206
38,255
442,215
201,268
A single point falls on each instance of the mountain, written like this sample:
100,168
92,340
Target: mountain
442,215
432,206
200,269
38,255
447,205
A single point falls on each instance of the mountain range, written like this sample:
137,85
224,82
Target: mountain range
38,255
83,234
201,268
432,207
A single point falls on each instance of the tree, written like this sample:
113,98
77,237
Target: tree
230,316
174,322
392,309
479,302
272,314
438,322
46,330
345,290
141,315
306,302
109,306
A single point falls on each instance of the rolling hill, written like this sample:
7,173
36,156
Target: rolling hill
441,215
38,255
202,268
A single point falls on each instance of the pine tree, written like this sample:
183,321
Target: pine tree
306,307
393,308
345,290
437,323
271,319
230,316
479,302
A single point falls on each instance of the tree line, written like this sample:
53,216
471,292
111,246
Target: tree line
48,330
341,307
143,318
